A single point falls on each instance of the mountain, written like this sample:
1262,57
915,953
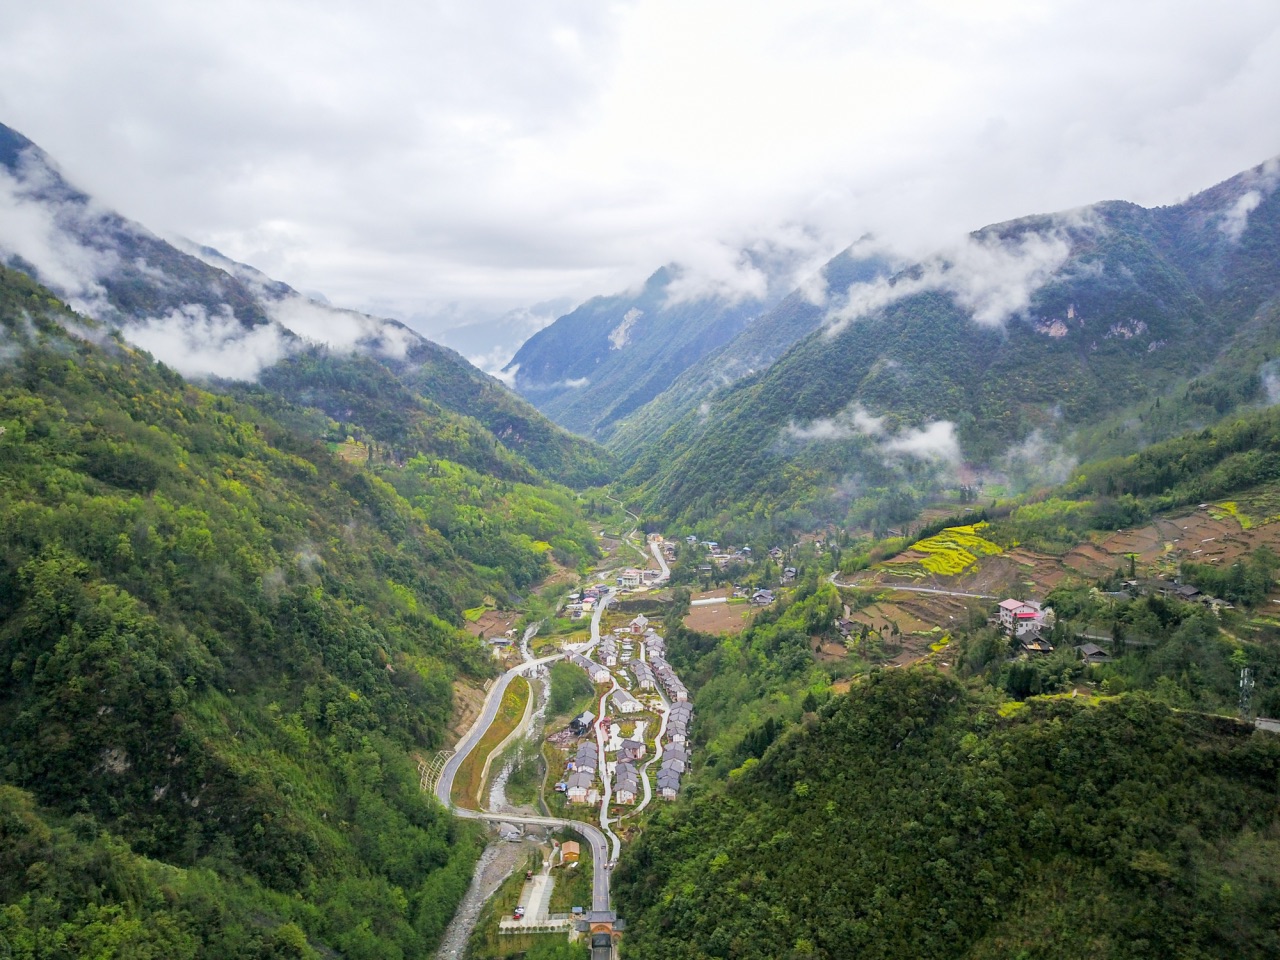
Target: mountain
207,315
1027,335
754,348
596,365
223,646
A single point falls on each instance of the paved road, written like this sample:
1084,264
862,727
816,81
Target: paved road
657,752
662,561
893,586
708,601
600,860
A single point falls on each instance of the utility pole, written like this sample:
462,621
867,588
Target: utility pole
1246,693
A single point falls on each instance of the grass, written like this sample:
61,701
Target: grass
467,783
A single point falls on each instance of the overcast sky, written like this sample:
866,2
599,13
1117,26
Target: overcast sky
445,159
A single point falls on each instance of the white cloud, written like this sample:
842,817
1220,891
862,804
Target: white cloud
342,330
199,345
496,153
1037,461
37,231
990,277
934,441
1236,217
850,422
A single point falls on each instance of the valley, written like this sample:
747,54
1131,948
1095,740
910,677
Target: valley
906,609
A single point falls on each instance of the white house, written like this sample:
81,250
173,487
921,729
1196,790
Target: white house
639,624
625,702
580,784
627,783
1020,616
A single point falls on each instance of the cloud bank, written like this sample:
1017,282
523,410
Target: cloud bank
199,345
408,157
934,441
992,278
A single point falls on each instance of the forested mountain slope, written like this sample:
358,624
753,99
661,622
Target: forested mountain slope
1034,328
223,646
910,818
613,354
761,342
209,315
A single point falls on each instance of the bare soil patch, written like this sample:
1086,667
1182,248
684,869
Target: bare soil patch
468,700
492,623
720,617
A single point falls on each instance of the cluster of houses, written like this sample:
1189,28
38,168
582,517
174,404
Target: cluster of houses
721,558
1158,586
662,671
675,755
1029,622
584,604
626,782
614,650
580,787
598,672
651,675
632,578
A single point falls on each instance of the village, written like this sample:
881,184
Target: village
644,719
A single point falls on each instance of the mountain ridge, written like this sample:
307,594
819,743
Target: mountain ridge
1036,327
201,311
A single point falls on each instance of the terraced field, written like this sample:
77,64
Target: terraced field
1218,533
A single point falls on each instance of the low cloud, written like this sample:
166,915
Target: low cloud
198,344
49,229
497,364
1262,182
341,330
852,422
43,233
935,441
991,277
1270,374
764,268
1236,216
1038,461
715,270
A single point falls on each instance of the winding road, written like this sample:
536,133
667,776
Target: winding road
600,858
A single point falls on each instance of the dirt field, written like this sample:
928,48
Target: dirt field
492,623
719,617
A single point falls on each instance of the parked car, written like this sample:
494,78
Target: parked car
519,914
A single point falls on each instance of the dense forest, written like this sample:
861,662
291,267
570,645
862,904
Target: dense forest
224,646
910,818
